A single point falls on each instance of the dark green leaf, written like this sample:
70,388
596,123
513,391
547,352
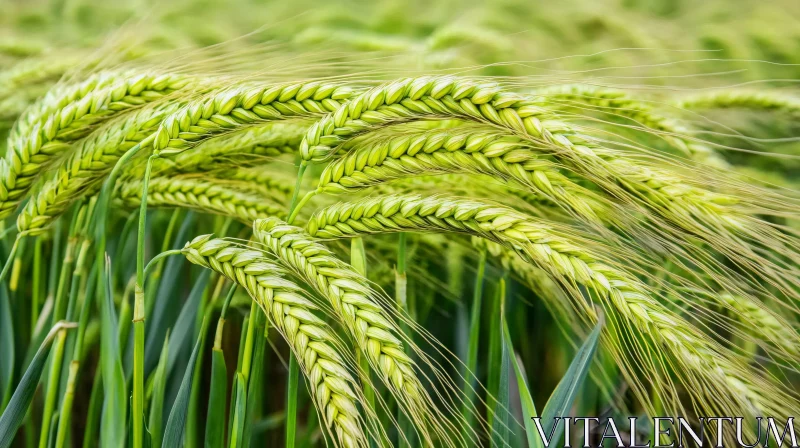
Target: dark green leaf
564,395
173,434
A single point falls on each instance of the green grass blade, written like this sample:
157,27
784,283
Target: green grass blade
93,414
113,424
7,351
183,329
495,350
291,399
161,309
238,410
502,406
525,399
174,431
255,379
17,407
470,376
560,402
155,419
217,398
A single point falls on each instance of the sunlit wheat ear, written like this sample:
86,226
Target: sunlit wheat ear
620,103
726,383
82,173
756,100
461,150
337,396
240,106
202,194
354,304
47,129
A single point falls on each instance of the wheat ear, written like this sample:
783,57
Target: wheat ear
418,98
694,209
231,109
619,103
82,173
269,140
742,99
470,150
351,298
33,146
206,195
540,244
335,392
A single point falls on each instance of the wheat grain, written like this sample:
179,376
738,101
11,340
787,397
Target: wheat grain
269,140
765,324
694,209
205,195
540,244
336,394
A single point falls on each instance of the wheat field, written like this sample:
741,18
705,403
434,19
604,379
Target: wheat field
399,224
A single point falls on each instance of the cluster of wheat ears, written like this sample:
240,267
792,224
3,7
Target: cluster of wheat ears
609,206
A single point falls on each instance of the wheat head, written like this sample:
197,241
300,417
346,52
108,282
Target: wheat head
83,172
46,134
335,392
568,263
351,298
203,194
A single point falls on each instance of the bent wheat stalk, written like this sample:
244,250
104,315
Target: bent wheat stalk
201,194
351,298
539,243
316,348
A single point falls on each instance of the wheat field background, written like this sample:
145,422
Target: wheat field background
397,223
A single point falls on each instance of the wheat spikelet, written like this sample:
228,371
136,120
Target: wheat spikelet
203,194
542,245
350,296
335,392
83,172
47,131
471,150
